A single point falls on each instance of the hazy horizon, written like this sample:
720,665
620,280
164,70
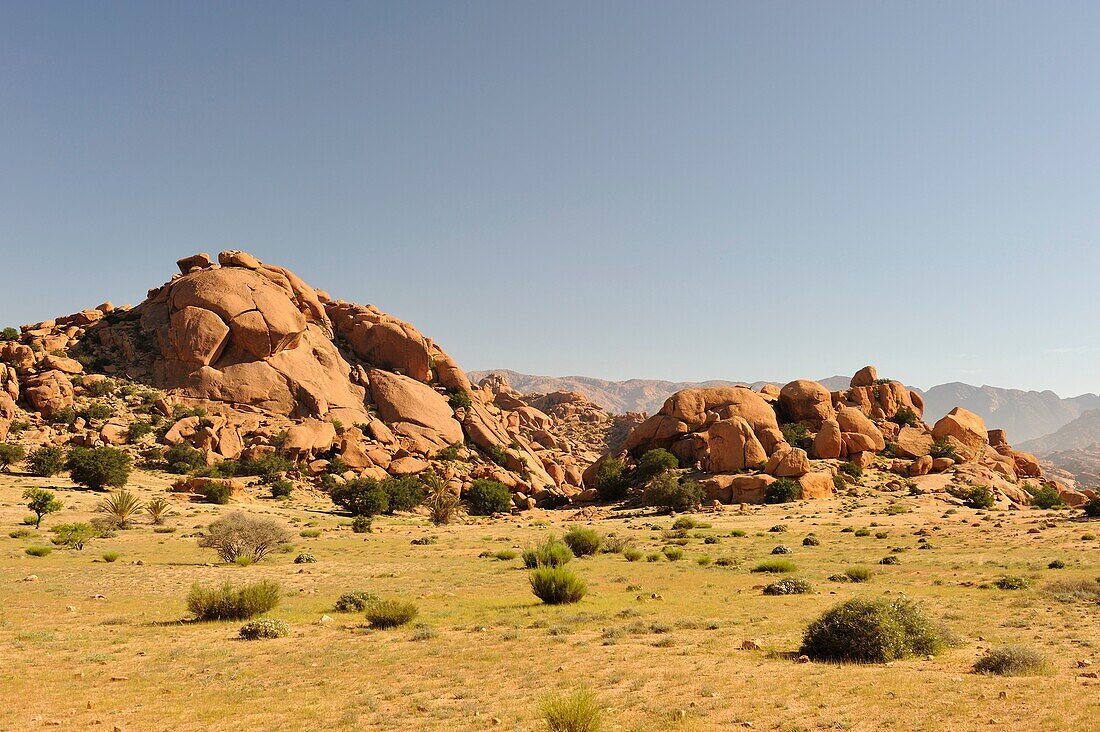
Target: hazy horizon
683,191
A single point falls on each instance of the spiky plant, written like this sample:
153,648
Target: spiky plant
121,506
158,510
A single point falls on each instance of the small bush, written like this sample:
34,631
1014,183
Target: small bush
9,334
1012,661
361,525
216,491
550,553
862,532
1075,590
1046,496
120,506
673,553
797,434
232,603
403,494
850,468
578,712
1012,582
631,554
158,509
385,614
779,529
182,458
612,482
264,628
42,502
46,462
354,602
739,533
1057,564
281,488
1092,507
557,585
811,541
110,557
486,497
38,551
238,536
670,492
858,574
360,497
309,533
775,566
653,463
10,454
582,541
441,501
783,490
98,467
506,555
459,400
872,631
979,497
684,523
789,586
73,536
906,417
943,449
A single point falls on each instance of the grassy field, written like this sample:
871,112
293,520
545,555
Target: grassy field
91,644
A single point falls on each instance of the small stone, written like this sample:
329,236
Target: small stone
803,659
325,620
31,578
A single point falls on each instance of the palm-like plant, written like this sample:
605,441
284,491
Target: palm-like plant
158,510
121,506
441,502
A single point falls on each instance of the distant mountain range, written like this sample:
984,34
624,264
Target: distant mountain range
1024,415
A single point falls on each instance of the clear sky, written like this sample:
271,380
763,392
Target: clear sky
680,190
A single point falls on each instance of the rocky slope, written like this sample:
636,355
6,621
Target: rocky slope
260,362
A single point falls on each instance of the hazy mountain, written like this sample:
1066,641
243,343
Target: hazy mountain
1082,433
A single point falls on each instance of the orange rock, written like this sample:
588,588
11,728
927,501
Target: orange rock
966,428
806,401
828,443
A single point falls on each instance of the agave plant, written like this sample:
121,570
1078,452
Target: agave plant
120,506
158,510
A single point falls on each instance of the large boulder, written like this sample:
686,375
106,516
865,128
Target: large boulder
827,442
48,392
913,442
965,430
733,446
852,420
806,401
406,403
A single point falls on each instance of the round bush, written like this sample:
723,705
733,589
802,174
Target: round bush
354,602
557,585
550,553
788,586
582,541
783,490
612,482
655,462
669,492
385,614
46,462
98,467
486,497
264,628
1011,661
871,631
282,489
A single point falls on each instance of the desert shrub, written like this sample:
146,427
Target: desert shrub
264,628
557,585
1012,582
684,523
232,603
404,493
612,482
673,553
670,492
506,555
889,560
872,631
862,532
385,614
120,505
1012,661
631,554
653,463
267,468
486,497
943,449
582,541
100,388
459,400
738,533
96,467
239,536
305,558
110,556
9,334
46,461
858,574
1056,564
38,551
73,536
20,533
281,488
10,454
788,586
97,412
1074,590
42,502
353,602
360,497
362,525
216,491
906,417
782,549
783,490
797,435
182,458
550,553
498,455
578,712
775,566
1092,507
1046,496
138,429
451,452
850,468
158,509
811,540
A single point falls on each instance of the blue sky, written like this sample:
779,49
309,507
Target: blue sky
670,190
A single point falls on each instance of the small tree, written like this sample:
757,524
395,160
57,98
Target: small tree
611,479
486,497
441,501
655,462
46,461
41,502
783,490
98,467
9,334
239,536
669,492
10,454
360,497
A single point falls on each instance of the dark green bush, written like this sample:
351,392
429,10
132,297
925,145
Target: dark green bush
670,492
404,493
783,490
944,449
850,468
653,463
232,603
385,614
360,497
459,400
138,429
354,602
788,586
98,411
42,502
1012,661
282,489
872,631
582,541
486,497
1092,507
979,497
183,459
612,482
550,553
361,525
1012,582
1046,496
557,585
9,334
906,417
97,467
10,454
811,540
216,491
797,435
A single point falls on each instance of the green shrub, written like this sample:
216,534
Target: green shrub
232,603
240,536
739,533
309,533
110,557
216,491
362,525
775,566
1012,661
862,532
578,712
1074,590
46,461
612,482
281,488
889,560
38,551
486,497
459,400
673,553
684,523
550,553
183,459
385,614
670,492
451,452
498,455
42,502
506,555
97,412
858,574
264,628
943,449
97,467
797,434
404,493
631,554
557,585
9,334
872,631
906,417
121,506
441,501
138,429
1056,564
10,454
267,468
1092,507
1046,496
582,541
783,490
354,602
73,536
360,497
788,586
1012,582
653,463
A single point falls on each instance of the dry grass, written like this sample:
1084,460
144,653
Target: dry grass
91,644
